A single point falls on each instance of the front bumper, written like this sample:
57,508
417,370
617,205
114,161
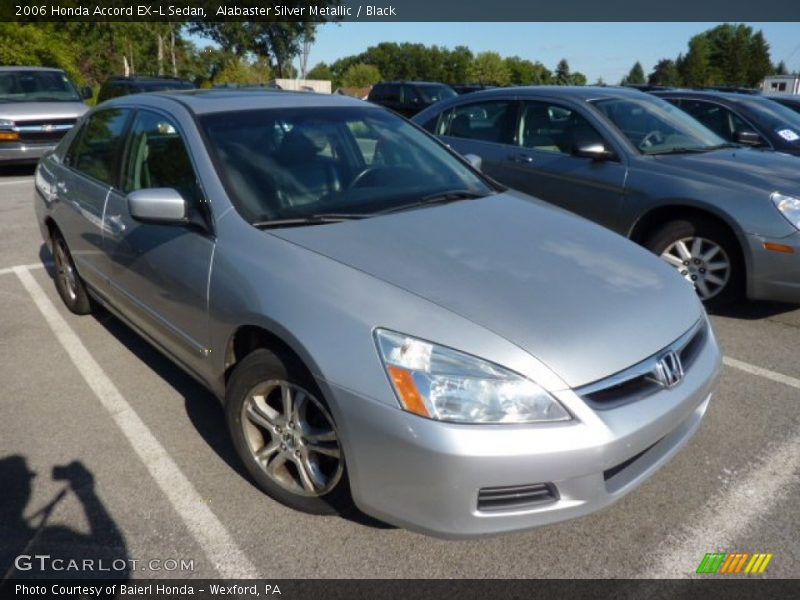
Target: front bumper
774,275
425,475
21,153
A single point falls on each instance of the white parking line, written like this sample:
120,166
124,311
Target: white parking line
760,372
17,181
724,518
203,524
721,522
9,270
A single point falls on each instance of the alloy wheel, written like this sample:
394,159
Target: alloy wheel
292,438
64,271
702,262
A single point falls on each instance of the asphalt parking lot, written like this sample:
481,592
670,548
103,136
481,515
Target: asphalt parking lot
125,457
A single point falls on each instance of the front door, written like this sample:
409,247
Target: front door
159,272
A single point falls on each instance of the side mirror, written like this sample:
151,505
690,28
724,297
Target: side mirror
158,205
595,151
474,160
748,137
86,92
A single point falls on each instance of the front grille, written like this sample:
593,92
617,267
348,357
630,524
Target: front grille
516,497
42,131
641,380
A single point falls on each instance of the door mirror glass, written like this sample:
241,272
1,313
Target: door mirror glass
160,205
595,151
474,160
747,136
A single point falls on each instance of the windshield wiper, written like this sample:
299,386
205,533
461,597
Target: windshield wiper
317,219
693,149
435,198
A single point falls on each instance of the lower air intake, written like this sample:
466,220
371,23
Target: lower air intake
516,497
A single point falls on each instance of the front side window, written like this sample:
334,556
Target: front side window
553,128
655,126
157,158
490,121
97,149
297,162
434,93
37,86
717,118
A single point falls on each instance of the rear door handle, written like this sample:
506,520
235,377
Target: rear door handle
520,157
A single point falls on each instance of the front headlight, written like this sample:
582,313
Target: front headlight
789,206
443,384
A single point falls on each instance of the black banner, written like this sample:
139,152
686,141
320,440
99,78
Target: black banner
710,587
400,10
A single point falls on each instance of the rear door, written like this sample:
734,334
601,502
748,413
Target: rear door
159,272
83,183
544,165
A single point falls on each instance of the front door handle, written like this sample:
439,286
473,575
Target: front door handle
115,224
520,157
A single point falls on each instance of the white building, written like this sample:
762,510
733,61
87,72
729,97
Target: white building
781,84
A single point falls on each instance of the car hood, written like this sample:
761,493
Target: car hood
37,111
763,169
583,300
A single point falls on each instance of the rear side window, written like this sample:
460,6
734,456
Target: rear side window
98,147
390,93
491,121
157,158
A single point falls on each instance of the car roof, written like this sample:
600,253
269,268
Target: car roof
27,68
144,78
578,92
733,96
230,100
414,82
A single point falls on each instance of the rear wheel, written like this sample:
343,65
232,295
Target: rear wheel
69,284
285,435
705,254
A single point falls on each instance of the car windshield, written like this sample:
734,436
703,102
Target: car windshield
655,126
36,86
781,119
434,93
295,163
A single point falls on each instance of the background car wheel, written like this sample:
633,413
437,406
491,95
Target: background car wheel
285,435
69,284
706,254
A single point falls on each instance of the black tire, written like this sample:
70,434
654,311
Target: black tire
69,284
256,369
709,231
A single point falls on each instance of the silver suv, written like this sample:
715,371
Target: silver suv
37,107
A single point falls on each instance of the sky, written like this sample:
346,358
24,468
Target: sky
606,50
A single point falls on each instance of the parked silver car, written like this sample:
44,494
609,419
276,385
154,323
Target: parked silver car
384,324
726,217
37,107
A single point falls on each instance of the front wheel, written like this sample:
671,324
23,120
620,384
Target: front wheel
705,254
284,434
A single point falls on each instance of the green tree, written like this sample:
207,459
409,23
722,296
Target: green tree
361,75
489,68
780,69
695,67
635,76
526,72
760,63
563,75
238,70
577,78
320,71
665,73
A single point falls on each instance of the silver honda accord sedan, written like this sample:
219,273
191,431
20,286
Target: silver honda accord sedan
385,325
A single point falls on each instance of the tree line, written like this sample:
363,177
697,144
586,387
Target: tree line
726,55
256,52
